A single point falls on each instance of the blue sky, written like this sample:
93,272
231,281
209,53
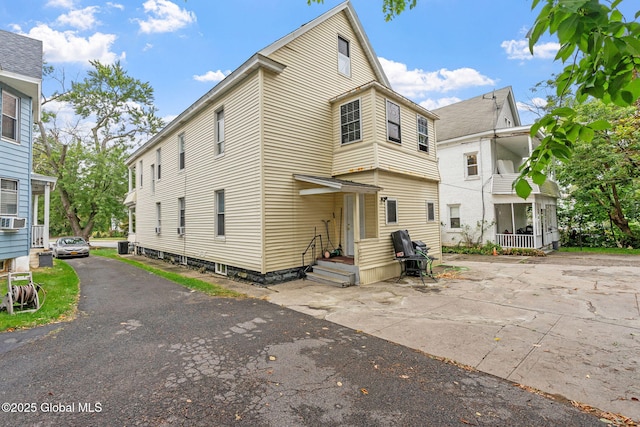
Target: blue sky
440,52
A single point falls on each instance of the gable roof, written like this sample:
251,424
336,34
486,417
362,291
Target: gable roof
475,115
357,27
21,66
261,60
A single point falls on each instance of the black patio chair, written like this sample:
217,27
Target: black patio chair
413,256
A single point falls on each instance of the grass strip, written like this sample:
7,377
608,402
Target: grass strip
612,251
188,282
58,302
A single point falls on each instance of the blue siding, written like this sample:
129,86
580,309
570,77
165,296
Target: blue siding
15,163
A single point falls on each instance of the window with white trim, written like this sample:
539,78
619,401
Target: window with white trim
431,211
159,163
220,209
350,122
471,164
153,178
10,108
220,132
391,206
181,215
423,134
181,150
141,174
220,269
344,57
393,122
454,216
158,217
8,197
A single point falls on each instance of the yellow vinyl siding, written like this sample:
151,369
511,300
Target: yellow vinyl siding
298,135
237,172
375,255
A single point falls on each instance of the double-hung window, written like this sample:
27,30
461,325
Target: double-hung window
344,57
454,216
141,174
423,134
220,232
159,163
158,217
10,108
471,163
181,216
8,197
153,178
220,132
393,122
181,151
350,122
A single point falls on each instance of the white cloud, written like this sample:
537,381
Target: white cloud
66,4
432,104
519,49
66,46
115,5
82,19
211,76
417,83
164,17
534,106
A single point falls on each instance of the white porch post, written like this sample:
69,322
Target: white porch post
47,194
35,210
530,141
513,220
130,178
130,222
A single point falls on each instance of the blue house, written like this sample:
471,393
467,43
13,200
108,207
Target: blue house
20,189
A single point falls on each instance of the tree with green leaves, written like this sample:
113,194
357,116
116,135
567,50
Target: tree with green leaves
601,52
112,111
603,177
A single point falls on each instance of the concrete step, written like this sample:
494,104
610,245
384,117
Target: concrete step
331,276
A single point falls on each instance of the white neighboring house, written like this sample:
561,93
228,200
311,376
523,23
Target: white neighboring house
481,144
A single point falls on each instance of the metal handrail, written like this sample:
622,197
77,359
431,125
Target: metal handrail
312,246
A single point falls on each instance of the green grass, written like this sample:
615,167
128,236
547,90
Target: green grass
618,251
189,282
61,288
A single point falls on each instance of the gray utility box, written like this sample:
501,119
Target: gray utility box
45,259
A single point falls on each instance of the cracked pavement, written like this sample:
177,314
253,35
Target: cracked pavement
566,324
148,352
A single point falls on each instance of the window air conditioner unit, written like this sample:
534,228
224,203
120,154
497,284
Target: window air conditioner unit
157,230
181,231
12,223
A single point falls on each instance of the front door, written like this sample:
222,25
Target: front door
349,208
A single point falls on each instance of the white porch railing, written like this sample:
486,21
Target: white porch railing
37,236
516,240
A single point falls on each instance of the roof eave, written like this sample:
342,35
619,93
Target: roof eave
254,63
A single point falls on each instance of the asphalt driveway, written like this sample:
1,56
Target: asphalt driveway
145,351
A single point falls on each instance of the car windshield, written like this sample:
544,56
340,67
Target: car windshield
73,241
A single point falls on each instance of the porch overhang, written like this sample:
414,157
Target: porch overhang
334,185
131,199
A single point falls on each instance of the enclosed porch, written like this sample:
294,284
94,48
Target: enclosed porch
526,225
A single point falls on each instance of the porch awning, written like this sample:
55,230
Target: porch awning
333,185
131,198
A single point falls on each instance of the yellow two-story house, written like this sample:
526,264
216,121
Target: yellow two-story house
302,153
